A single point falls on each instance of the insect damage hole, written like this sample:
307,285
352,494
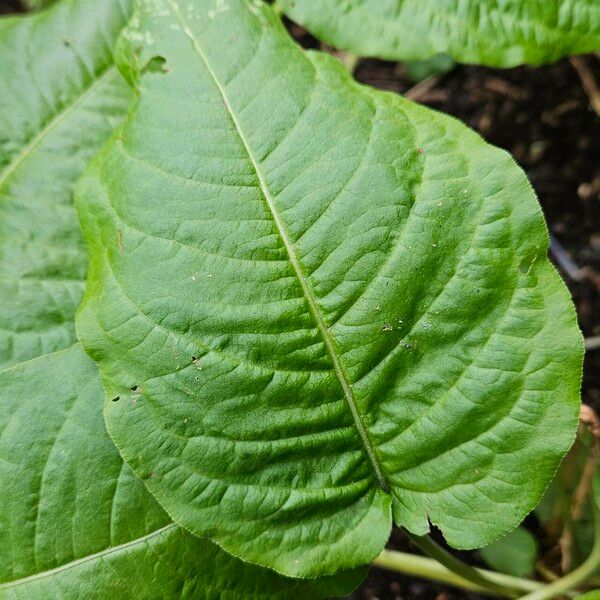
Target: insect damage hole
157,64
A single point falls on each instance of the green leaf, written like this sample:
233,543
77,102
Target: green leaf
514,553
61,98
593,595
76,523
334,305
498,34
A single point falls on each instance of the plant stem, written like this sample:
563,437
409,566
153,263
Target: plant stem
421,566
431,548
588,81
592,343
580,575
545,572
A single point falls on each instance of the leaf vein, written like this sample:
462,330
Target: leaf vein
302,279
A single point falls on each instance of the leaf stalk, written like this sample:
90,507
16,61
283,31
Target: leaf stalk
428,568
464,571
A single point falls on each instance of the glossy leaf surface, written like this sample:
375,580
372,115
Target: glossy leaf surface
500,34
317,307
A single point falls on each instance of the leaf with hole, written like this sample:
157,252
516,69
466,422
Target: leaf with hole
488,32
320,308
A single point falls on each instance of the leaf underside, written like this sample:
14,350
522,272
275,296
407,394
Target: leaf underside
499,34
316,307
75,522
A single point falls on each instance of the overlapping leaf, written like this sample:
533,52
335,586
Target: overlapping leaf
61,97
317,307
501,34
514,553
74,520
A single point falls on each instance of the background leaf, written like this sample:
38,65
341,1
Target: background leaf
38,4
61,98
498,34
331,303
75,522
515,553
593,595
439,64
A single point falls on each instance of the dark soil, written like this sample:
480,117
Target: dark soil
11,6
542,116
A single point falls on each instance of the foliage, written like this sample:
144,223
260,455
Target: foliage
76,523
514,553
53,118
500,34
38,4
356,321
317,309
594,595
72,515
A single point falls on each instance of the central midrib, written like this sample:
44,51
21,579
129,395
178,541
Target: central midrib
308,294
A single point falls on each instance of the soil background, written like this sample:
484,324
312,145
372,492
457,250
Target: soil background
543,117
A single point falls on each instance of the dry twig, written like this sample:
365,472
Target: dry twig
588,81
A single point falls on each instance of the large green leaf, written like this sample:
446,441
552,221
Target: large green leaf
61,97
74,520
489,32
317,306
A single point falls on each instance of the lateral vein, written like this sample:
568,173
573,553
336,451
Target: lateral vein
51,125
102,554
308,294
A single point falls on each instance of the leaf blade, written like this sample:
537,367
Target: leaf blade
97,531
514,554
42,258
242,414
